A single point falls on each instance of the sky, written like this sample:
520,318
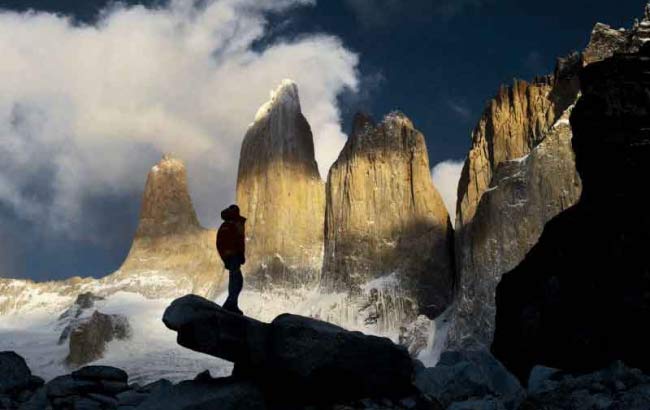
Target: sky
93,92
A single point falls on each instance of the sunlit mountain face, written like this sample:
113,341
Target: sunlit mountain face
390,174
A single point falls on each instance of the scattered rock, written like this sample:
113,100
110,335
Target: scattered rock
224,394
598,390
468,377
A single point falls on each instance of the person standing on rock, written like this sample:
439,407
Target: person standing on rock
231,244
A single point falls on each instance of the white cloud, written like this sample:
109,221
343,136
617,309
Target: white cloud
446,175
460,108
86,110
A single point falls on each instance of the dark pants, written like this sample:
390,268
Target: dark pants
235,283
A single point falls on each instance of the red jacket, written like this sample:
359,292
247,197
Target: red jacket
231,238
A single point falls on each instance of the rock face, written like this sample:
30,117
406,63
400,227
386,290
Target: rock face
525,194
88,338
170,246
280,191
384,217
171,253
515,121
605,41
577,300
166,205
519,173
293,358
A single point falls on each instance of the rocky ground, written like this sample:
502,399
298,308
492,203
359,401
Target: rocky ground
296,362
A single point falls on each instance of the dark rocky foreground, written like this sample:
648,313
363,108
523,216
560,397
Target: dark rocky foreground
301,363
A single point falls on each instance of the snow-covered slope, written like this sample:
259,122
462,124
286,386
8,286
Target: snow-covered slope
152,353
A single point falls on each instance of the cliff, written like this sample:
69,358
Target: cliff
385,217
280,191
579,298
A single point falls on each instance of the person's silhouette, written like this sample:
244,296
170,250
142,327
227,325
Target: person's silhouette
231,244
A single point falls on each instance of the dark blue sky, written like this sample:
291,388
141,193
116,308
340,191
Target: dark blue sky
438,61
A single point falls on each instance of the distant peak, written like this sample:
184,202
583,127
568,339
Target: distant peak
285,95
166,204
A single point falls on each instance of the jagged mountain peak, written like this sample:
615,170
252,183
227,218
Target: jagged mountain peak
364,123
396,133
398,118
166,204
605,41
285,95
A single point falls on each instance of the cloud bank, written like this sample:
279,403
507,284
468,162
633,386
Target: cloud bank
86,110
446,175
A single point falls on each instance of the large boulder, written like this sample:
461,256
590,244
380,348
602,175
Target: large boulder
14,373
384,217
470,378
293,358
581,296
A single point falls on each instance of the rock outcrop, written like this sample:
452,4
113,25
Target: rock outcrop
280,191
384,216
579,299
514,122
606,41
294,359
519,173
171,252
87,331
88,337
524,194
